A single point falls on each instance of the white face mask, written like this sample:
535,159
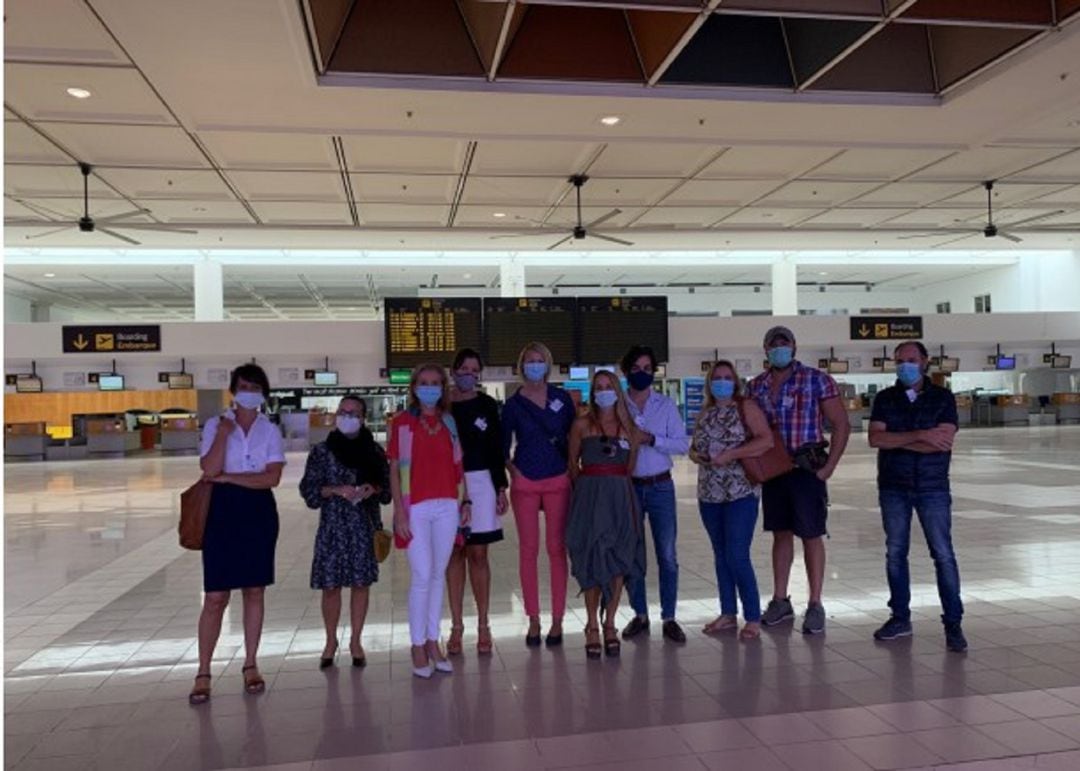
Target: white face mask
249,400
348,424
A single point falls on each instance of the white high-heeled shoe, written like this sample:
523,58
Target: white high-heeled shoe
424,672
444,666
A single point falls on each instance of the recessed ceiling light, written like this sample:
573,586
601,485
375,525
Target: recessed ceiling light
50,275
823,273
611,120
466,275
499,215
79,93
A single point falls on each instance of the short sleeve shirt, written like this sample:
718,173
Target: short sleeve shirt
246,453
433,474
796,407
902,410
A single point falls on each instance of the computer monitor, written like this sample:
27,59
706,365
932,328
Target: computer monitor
950,364
326,378
181,381
838,367
110,382
1061,362
579,373
28,384
1005,362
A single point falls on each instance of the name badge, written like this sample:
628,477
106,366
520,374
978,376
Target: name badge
640,421
481,424
556,406
624,443
789,402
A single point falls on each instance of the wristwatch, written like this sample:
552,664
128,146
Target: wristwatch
466,502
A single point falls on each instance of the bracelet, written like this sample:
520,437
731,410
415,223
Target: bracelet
466,502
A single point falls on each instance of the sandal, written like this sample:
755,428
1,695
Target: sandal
253,682
612,645
750,631
483,640
200,694
721,624
453,644
593,649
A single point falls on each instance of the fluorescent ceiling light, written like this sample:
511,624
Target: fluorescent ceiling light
499,215
611,120
50,275
79,93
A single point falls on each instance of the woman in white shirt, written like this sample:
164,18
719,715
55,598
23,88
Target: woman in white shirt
243,454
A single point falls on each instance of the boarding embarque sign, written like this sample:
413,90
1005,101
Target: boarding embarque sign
109,338
886,327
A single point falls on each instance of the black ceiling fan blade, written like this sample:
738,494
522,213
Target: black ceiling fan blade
151,227
113,217
44,211
525,234
953,240
114,234
917,235
1010,237
48,232
612,239
604,218
559,243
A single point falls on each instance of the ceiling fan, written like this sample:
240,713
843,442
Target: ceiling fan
990,230
106,225
580,230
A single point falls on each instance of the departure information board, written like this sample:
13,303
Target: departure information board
511,323
423,329
609,326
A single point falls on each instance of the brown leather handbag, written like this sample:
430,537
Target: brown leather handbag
381,540
194,507
772,463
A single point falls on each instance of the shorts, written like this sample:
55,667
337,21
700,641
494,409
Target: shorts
797,501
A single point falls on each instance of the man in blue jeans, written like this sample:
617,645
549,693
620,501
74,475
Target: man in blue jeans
665,435
912,425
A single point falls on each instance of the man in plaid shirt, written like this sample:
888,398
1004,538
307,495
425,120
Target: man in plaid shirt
797,399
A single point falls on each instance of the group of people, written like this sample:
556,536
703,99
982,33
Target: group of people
455,463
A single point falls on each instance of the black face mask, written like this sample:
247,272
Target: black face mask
640,380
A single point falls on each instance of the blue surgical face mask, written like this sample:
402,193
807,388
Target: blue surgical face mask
249,400
909,373
722,389
465,382
348,424
641,380
535,371
780,356
429,395
605,400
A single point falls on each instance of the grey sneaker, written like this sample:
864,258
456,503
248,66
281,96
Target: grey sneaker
814,620
778,612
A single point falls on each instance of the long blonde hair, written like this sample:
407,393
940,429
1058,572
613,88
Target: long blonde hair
710,400
444,400
622,413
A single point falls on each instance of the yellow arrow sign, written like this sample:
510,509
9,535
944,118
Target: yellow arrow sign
864,331
80,342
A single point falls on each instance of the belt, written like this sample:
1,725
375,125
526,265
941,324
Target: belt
604,470
653,480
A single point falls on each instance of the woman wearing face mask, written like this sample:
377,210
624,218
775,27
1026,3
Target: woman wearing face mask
727,429
243,454
346,478
430,505
604,534
536,422
477,418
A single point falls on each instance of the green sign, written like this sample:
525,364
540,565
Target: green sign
400,376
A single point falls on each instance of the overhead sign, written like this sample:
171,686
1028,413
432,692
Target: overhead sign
886,327
145,338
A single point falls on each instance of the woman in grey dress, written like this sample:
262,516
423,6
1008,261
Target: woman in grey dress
347,478
603,533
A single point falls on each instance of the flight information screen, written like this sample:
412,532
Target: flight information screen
423,329
510,323
609,326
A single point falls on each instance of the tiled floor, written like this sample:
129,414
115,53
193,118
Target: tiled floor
101,606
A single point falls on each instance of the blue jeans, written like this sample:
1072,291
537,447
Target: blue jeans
658,502
730,527
935,516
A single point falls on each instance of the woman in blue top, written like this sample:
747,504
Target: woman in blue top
539,417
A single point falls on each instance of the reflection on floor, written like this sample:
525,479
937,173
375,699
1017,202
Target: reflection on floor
101,606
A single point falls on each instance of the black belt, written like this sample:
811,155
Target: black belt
653,480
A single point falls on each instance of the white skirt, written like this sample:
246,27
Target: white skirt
486,525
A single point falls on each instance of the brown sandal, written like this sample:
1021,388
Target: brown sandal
453,644
593,648
200,694
483,640
253,683
612,646
721,624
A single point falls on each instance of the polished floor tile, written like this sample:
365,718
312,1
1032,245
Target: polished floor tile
101,606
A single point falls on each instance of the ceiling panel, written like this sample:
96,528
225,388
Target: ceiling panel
626,159
384,188
498,192
56,30
174,183
289,185
685,216
817,193
734,50
720,192
405,154
768,217
855,218
302,213
15,210
119,94
896,59
116,145
1005,194
24,145
566,217
512,157
878,163
766,162
934,217
1069,196
52,181
984,163
625,192
517,217
911,193
1065,168
398,215
251,150
229,212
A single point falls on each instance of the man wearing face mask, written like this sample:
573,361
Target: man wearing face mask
664,436
913,424
798,399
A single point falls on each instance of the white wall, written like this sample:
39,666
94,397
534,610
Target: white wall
1045,282
16,309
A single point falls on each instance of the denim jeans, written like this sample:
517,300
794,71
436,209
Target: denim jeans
935,516
658,503
730,526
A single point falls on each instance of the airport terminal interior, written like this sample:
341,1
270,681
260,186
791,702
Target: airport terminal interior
339,191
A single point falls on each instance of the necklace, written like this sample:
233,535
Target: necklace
432,431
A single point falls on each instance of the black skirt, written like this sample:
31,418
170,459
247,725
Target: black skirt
240,539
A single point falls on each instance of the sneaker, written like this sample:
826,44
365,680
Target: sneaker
893,629
673,631
636,626
778,612
814,619
954,638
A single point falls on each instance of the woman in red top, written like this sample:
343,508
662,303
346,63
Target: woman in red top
427,483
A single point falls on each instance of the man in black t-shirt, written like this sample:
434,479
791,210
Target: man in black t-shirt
913,424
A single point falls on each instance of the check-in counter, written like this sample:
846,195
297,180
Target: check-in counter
110,436
25,441
320,424
856,412
1066,407
180,434
1010,410
964,404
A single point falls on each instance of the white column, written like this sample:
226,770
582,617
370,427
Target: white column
209,284
785,288
511,278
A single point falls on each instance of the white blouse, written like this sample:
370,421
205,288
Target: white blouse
246,453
